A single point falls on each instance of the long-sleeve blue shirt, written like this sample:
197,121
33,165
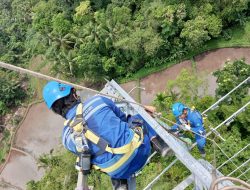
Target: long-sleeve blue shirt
194,119
106,120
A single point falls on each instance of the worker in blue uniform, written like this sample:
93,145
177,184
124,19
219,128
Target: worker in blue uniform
119,145
190,119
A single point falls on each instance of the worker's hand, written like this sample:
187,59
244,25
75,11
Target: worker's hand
185,127
150,109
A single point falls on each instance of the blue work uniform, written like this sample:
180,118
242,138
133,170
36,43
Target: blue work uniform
107,121
194,119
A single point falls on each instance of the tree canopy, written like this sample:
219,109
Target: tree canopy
91,40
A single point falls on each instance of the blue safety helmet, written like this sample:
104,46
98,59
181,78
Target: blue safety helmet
53,91
178,108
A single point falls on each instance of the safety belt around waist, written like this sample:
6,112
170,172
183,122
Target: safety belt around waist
79,125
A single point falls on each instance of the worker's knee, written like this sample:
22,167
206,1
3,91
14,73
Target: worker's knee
201,143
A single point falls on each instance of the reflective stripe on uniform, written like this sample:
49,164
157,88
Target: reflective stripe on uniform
120,150
94,110
64,135
124,158
91,102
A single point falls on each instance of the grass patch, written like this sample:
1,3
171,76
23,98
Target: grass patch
239,37
5,145
147,71
38,64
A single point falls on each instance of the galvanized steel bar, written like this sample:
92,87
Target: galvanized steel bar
185,183
231,117
226,155
158,177
239,167
181,153
225,96
209,133
244,173
233,156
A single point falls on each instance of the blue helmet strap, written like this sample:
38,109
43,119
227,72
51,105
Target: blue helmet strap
57,106
63,105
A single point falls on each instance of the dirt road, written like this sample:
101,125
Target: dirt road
207,62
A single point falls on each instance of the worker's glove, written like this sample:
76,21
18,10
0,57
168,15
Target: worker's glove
202,132
185,127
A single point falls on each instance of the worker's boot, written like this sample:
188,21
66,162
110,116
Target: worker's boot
119,184
160,146
203,153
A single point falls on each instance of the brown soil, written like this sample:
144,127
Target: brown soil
129,86
206,63
211,61
20,169
156,82
39,133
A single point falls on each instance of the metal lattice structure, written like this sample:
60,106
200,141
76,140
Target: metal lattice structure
201,170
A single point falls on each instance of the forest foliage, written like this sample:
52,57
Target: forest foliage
11,92
91,39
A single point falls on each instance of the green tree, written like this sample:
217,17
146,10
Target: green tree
233,73
232,10
195,33
11,92
164,102
43,14
187,84
89,63
83,13
141,41
60,25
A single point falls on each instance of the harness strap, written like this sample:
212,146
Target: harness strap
120,150
135,143
79,125
102,144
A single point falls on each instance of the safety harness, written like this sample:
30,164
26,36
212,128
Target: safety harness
79,125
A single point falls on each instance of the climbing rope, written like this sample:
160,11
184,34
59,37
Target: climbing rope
186,129
46,77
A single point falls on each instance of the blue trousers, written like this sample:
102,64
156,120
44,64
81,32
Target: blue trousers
201,141
142,154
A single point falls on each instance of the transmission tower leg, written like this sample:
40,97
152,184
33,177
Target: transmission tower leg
82,182
197,184
132,183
